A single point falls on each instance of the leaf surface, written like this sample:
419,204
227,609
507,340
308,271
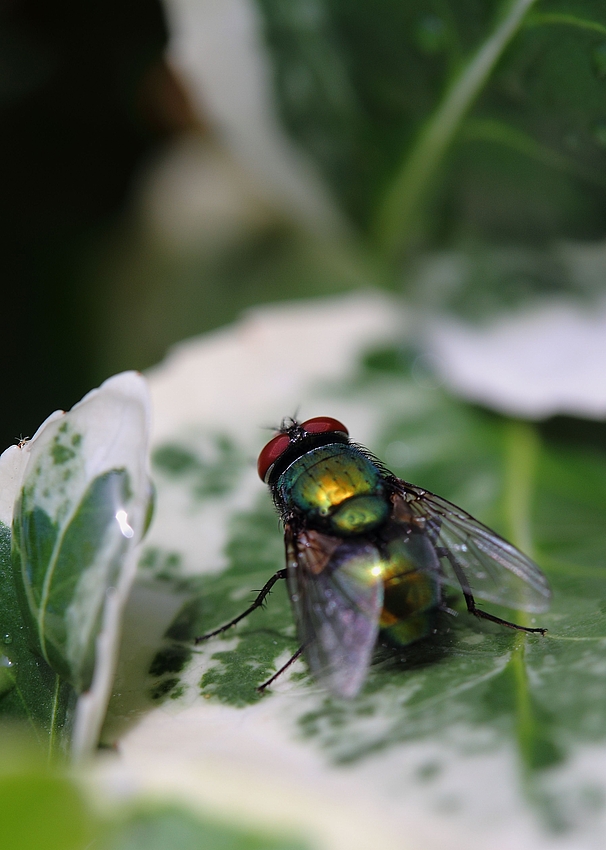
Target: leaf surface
434,718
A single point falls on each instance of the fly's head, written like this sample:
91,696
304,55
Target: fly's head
293,440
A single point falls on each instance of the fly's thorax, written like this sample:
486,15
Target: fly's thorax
336,487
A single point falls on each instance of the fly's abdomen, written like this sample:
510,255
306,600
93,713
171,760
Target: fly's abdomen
337,487
411,589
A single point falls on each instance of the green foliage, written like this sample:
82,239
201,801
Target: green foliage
42,811
32,692
489,115
40,805
62,573
78,494
59,822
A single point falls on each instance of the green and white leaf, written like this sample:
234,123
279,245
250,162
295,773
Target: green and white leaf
473,735
29,689
80,513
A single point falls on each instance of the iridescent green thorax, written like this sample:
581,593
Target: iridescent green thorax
336,487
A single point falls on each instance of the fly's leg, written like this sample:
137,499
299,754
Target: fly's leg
263,594
284,667
470,601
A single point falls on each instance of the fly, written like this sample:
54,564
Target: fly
367,552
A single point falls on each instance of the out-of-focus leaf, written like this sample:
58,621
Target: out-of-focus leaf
210,470
41,806
41,810
175,829
495,110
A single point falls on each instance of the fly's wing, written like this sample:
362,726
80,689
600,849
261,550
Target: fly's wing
337,594
490,567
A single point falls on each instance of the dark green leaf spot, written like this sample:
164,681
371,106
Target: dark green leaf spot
212,472
174,460
172,659
61,454
163,688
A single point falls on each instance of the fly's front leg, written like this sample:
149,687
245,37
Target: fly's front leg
263,594
470,601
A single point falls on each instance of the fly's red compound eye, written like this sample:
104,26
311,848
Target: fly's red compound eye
270,454
323,424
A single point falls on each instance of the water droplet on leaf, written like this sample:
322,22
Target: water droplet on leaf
7,638
125,528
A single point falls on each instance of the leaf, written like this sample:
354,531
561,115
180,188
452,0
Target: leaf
29,689
28,784
252,552
167,828
212,472
446,120
438,720
65,819
81,510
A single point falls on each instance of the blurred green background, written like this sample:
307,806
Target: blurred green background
166,166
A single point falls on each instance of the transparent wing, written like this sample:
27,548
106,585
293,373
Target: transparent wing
492,568
337,596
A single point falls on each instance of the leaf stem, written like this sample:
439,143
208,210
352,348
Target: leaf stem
525,721
521,454
399,212
497,132
538,19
